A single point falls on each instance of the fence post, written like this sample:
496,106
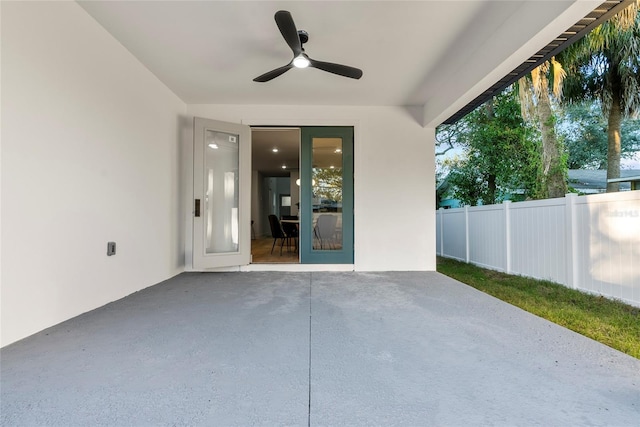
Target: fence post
466,233
441,231
507,236
571,240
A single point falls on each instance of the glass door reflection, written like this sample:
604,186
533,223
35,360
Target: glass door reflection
221,192
326,182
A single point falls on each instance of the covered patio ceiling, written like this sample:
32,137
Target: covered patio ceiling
437,56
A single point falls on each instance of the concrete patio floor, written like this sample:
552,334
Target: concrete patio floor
320,349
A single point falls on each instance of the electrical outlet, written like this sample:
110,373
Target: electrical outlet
111,248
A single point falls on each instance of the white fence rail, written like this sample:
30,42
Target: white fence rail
590,243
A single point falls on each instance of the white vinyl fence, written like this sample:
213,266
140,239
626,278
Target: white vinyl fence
591,243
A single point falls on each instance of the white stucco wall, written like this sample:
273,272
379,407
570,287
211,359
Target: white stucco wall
394,177
90,154
96,149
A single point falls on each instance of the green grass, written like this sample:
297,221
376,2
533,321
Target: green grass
608,321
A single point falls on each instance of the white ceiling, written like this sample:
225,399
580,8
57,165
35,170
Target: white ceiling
412,53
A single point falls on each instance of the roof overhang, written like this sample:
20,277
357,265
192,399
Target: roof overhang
574,33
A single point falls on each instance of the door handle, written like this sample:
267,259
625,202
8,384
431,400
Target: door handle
197,208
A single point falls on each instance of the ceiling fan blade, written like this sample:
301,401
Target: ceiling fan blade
273,74
289,31
339,69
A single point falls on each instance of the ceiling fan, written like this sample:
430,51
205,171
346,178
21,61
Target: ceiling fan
295,39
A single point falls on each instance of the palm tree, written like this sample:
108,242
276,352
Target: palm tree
535,103
605,66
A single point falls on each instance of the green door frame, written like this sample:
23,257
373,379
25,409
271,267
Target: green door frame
308,255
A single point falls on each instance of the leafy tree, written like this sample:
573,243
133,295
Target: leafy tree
468,181
449,137
584,132
604,66
502,154
536,106
328,183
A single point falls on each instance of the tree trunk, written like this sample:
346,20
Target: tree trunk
491,178
491,184
613,132
554,183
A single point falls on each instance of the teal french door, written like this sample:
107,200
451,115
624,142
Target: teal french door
326,195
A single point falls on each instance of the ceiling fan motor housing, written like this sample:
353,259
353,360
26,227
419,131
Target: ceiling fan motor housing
304,36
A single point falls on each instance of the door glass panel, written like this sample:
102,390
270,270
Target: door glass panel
326,182
221,192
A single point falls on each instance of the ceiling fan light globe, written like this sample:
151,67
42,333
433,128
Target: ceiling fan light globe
300,62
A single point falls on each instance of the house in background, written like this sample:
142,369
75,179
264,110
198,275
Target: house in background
584,181
444,196
595,181
98,107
